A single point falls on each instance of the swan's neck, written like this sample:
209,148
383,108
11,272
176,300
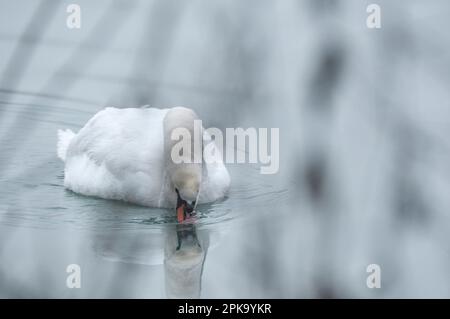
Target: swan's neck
182,146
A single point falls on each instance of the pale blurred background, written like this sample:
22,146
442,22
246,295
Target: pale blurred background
364,118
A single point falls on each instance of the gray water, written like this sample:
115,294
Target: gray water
364,120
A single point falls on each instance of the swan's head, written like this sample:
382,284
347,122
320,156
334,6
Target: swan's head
187,186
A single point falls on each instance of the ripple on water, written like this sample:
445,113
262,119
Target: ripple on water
49,205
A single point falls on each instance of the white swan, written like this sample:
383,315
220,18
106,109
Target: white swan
124,154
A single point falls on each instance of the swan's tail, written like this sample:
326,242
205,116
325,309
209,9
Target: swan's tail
64,138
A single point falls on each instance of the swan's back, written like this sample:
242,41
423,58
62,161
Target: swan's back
125,140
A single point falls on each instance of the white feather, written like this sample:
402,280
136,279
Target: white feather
64,139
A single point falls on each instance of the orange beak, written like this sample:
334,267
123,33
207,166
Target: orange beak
180,212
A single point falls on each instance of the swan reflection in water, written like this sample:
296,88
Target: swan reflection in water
181,248
184,257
